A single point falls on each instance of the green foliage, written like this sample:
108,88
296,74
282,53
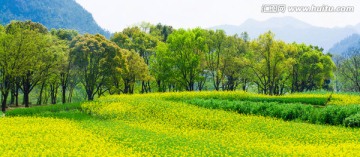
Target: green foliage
171,60
333,115
44,110
353,120
187,49
281,67
137,39
64,34
349,70
161,67
161,31
134,69
29,54
319,100
94,58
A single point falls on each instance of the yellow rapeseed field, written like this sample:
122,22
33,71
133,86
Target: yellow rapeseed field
204,132
32,136
164,125
345,99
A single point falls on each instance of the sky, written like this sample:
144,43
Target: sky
115,15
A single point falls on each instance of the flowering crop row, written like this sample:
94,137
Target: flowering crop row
158,126
32,136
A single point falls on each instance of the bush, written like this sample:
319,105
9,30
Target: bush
352,121
331,114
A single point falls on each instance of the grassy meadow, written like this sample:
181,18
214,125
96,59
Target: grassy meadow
188,124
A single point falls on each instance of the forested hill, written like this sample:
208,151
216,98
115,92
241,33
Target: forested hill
51,13
346,44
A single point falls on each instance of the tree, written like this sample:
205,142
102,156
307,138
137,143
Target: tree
161,31
216,42
134,39
5,71
349,69
187,47
134,68
65,64
234,62
26,55
161,67
60,70
269,63
312,69
92,56
160,62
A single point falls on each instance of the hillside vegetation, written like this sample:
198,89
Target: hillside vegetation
52,13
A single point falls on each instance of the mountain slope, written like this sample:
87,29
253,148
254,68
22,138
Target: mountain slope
51,13
292,30
344,45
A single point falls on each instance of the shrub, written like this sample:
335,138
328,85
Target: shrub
331,114
352,121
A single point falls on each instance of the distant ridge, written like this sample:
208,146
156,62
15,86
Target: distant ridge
291,29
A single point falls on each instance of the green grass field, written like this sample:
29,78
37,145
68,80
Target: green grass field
187,124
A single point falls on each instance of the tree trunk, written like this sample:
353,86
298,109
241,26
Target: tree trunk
131,89
143,88
17,96
64,82
244,85
71,91
26,99
63,91
26,91
126,88
12,95
53,93
39,102
149,86
158,82
3,103
90,95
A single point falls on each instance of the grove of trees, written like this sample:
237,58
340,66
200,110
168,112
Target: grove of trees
348,73
158,58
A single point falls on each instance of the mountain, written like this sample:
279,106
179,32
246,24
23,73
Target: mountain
292,30
357,27
344,45
52,13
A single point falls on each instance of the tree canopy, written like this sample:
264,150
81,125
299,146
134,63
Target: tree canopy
159,58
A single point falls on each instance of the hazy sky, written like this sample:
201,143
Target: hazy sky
114,15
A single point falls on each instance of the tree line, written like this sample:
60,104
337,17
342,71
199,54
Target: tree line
153,58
